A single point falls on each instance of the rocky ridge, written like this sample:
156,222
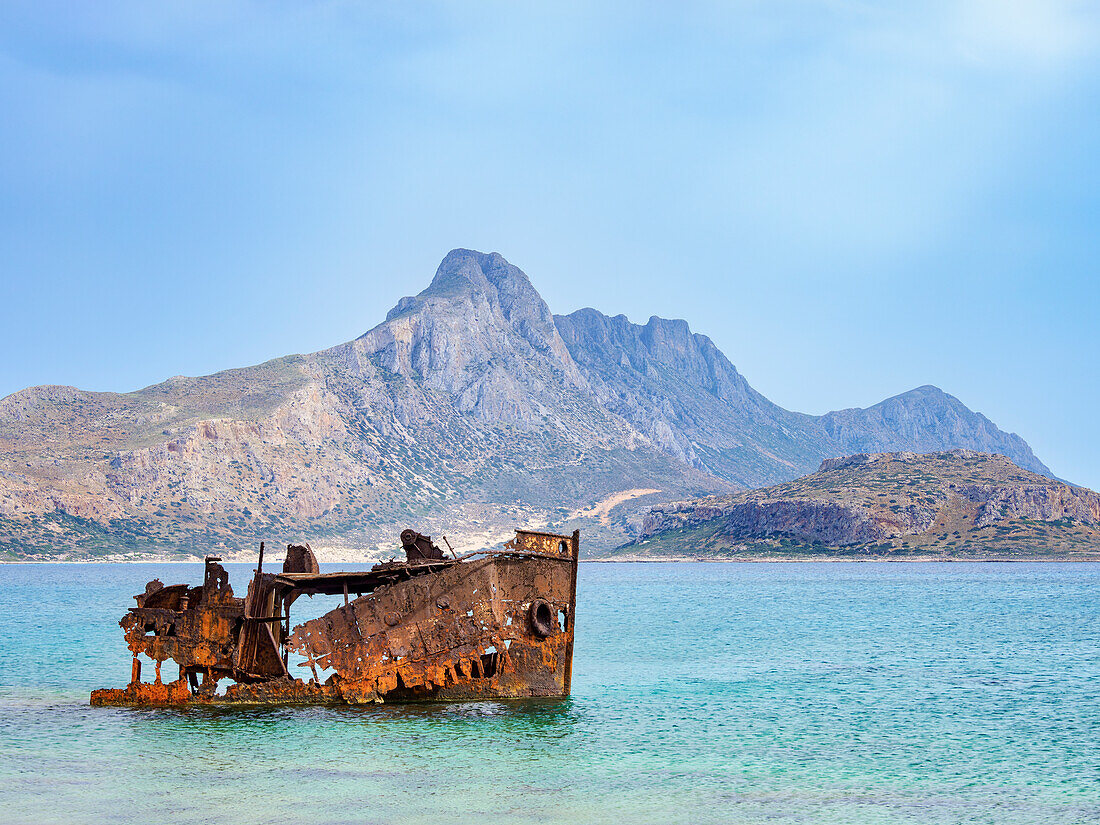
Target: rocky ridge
677,388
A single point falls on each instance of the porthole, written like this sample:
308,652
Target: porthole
541,618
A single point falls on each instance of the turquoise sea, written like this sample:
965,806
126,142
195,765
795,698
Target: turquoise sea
703,693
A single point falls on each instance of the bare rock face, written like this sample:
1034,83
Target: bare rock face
471,408
826,521
1043,502
678,389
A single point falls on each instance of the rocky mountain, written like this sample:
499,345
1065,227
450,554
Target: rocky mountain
678,389
959,503
469,409
924,420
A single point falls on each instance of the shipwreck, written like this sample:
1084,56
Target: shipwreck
492,624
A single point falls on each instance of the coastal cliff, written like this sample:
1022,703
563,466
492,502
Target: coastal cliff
955,503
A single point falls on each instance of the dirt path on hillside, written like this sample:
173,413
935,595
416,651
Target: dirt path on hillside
603,509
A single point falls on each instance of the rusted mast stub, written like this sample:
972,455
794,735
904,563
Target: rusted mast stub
487,625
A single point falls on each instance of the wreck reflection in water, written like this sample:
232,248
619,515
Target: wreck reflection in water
555,716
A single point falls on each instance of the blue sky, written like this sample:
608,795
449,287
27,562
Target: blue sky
851,198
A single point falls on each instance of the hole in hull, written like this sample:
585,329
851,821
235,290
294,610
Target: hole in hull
488,665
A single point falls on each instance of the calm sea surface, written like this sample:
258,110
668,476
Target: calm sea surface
724,693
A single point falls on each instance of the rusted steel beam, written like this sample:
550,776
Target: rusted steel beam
575,548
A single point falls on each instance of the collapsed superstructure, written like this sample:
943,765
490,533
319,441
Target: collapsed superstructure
488,624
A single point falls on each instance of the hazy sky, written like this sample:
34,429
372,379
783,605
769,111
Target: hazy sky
851,198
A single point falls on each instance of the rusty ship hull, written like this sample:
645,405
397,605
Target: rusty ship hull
487,625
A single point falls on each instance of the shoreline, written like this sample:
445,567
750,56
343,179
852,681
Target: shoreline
1093,559
874,560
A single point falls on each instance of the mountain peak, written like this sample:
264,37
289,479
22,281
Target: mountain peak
925,419
924,392
468,269
479,331
464,274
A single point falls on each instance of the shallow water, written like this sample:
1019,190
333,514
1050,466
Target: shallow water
703,693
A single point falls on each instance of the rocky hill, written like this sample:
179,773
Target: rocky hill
469,409
959,503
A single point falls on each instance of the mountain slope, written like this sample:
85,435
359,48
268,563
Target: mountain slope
959,503
469,409
924,420
678,389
